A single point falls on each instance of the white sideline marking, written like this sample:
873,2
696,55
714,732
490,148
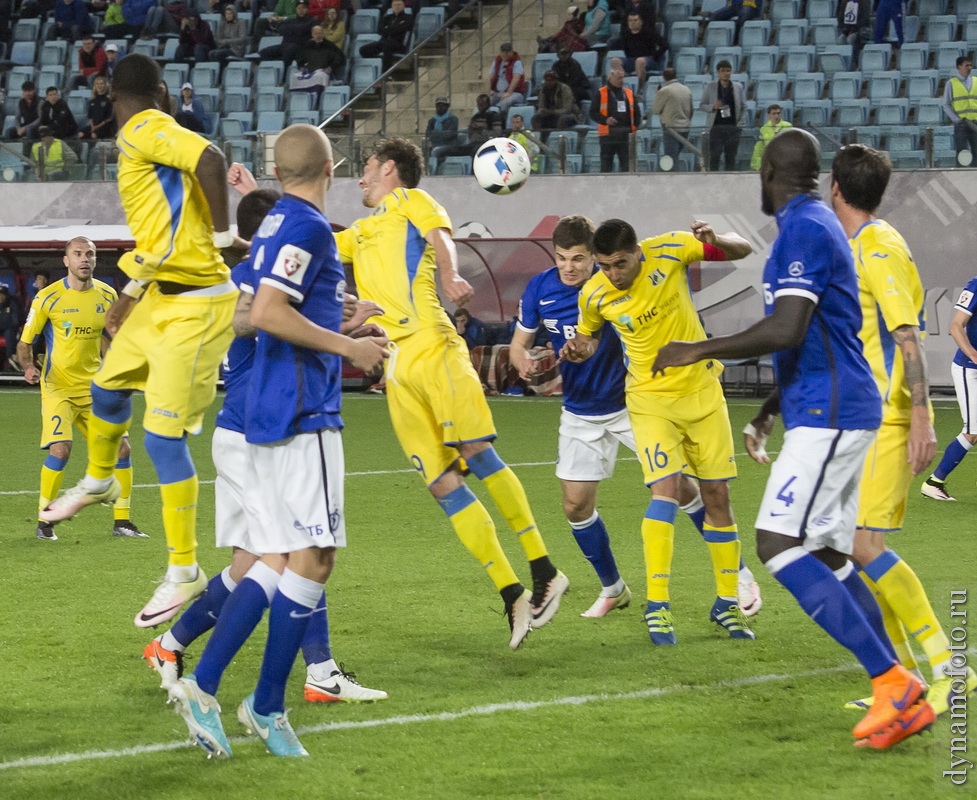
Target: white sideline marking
446,716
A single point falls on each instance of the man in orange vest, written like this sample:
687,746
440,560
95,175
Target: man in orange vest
617,116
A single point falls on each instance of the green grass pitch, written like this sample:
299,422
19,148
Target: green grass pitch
586,709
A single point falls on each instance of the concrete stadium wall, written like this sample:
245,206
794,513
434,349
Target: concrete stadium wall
934,210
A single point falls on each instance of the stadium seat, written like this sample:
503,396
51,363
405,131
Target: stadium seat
148,47
902,140
690,61
921,84
930,8
16,77
734,55
719,34
270,121
835,58
269,74
929,111
175,76
965,8
209,96
915,159
762,61
824,32
78,105
269,99
941,29
677,11
308,117
852,113
884,85
300,101
53,54
236,98
970,30
237,73
26,30
23,53
769,89
914,55
946,57
205,75
456,165
333,99
647,162
683,34
696,84
365,20
892,111
781,10
429,21
240,121
169,49
807,86
799,59
875,58
541,63
792,32
813,112
50,76
366,72
572,138
755,33
870,135
587,59
821,9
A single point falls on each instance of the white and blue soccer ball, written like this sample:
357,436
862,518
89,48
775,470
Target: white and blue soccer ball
501,166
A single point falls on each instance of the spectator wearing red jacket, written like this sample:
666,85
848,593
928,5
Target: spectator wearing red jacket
506,83
92,61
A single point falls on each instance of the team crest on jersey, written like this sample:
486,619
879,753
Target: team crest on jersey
292,263
795,269
965,298
656,277
100,308
341,291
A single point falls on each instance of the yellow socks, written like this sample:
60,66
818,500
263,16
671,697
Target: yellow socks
724,548
52,474
476,530
658,535
123,471
180,520
103,446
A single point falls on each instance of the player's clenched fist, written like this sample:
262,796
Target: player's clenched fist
368,353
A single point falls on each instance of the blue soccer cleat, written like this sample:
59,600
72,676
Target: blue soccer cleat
727,615
273,729
661,627
201,712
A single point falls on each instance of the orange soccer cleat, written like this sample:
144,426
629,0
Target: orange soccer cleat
916,719
894,692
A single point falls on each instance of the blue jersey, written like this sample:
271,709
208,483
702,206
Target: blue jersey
968,303
294,389
596,386
826,382
237,363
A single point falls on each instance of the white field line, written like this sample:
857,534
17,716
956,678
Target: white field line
446,716
367,472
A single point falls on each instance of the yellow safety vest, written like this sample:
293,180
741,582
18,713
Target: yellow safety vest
964,103
53,158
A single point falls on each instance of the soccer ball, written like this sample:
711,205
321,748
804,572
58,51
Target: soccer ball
501,166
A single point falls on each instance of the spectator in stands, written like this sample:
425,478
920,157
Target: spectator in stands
518,132
644,50
484,124
71,21
889,11
319,62
231,38
724,102
570,36
854,17
295,32
470,328
506,81
555,106
11,318
317,8
36,8
101,121
442,128
52,156
643,8
56,115
775,124
597,22
91,62
41,279
395,27
740,11
267,26
673,104
112,56
148,18
189,111
28,118
196,39
333,28
114,25
617,116
960,105
568,70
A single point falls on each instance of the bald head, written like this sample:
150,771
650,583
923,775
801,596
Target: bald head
302,155
790,167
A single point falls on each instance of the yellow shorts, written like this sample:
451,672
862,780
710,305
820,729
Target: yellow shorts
59,411
688,434
885,480
436,400
171,347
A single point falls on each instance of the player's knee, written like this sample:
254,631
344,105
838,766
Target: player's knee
485,462
113,406
579,509
61,451
171,457
971,437
770,545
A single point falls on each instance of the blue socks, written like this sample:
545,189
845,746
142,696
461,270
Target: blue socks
595,544
952,456
241,614
291,608
202,614
826,601
315,645
862,595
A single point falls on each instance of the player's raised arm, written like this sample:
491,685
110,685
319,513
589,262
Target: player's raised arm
732,244
456,289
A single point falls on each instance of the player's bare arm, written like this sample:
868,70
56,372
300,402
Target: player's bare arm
519,353
732,244
756,432
782,330
240,177
958,330
25,355
579,348
360,312
273,313
211,171
456,289
241,323
922,437
118,312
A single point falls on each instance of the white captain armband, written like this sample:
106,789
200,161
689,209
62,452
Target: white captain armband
134,289
223,239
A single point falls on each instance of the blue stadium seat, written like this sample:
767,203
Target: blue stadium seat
769,89
269,99
892,111
870,135
525,111
910,28
755,33
824,32
236,98
835,58
23,53
541,63
209,96
333,99
852,113
240,121
677,11
301,101
270,121
50,76
696,84
26,30
175,76
946,57
205,75
456,165
53,54
883,85
237,73
734,55
365,20
922,84
781,10
914,55
930,8
965,8
929,111
429,20
792,32
941,29
683,34
762,61
169,49
970,30
148,47
814,112
719,34
799,59
808,86
875,58
819,9
269,74
587,59
308,117
690,61
572,138
366,72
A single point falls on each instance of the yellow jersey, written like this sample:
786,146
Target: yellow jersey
394,265
164,204
891,295
71,323
653,311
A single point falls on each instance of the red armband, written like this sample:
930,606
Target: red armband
713,253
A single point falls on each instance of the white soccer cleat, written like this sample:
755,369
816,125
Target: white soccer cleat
76,498
748,596
549,599
340,686
168,599
935,490
520,616
605,605
168,664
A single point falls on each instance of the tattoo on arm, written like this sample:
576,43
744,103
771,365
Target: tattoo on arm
914,362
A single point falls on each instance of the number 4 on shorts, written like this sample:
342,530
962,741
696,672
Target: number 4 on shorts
787,498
